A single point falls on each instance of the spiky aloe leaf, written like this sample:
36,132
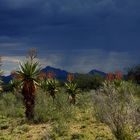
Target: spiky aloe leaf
50,86
29,71
71,88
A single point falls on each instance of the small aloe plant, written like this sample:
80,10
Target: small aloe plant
49,84
71,89
16,82
52,87
115,78
15,86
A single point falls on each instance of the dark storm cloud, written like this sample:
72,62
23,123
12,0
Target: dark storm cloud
66,24
106,25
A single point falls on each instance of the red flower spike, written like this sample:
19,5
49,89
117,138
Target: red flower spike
110,76
70,77
118,75
42,75
15,75
51,75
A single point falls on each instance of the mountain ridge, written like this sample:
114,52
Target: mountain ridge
59,73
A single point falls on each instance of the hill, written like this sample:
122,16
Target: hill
97,72
60,74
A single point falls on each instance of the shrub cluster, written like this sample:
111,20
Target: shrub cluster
114,105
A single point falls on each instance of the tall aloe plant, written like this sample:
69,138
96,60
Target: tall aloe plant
29,72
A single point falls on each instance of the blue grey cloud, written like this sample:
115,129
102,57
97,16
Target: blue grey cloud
79,60
52,25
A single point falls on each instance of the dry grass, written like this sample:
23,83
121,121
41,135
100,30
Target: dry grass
55,120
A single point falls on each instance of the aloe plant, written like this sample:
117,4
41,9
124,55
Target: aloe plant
15,86
72,90
29,72
50,86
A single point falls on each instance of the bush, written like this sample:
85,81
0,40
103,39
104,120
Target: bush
114,105
134,73
87,81
47,109
58,112
11,105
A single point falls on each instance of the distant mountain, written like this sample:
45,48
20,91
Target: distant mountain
97,72
6,79
60,74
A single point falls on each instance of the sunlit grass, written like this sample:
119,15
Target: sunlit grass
54,119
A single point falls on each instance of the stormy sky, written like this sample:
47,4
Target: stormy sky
76,35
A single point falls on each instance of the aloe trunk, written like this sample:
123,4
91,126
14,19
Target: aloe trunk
28,93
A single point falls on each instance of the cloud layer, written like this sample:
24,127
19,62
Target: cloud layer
72,30
79,60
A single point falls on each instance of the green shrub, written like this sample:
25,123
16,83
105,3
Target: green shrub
87,81
114,105
11,105
47,109
134,73
77,136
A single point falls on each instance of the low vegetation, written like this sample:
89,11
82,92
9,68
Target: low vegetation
114,105
53,120
88,82
90,118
